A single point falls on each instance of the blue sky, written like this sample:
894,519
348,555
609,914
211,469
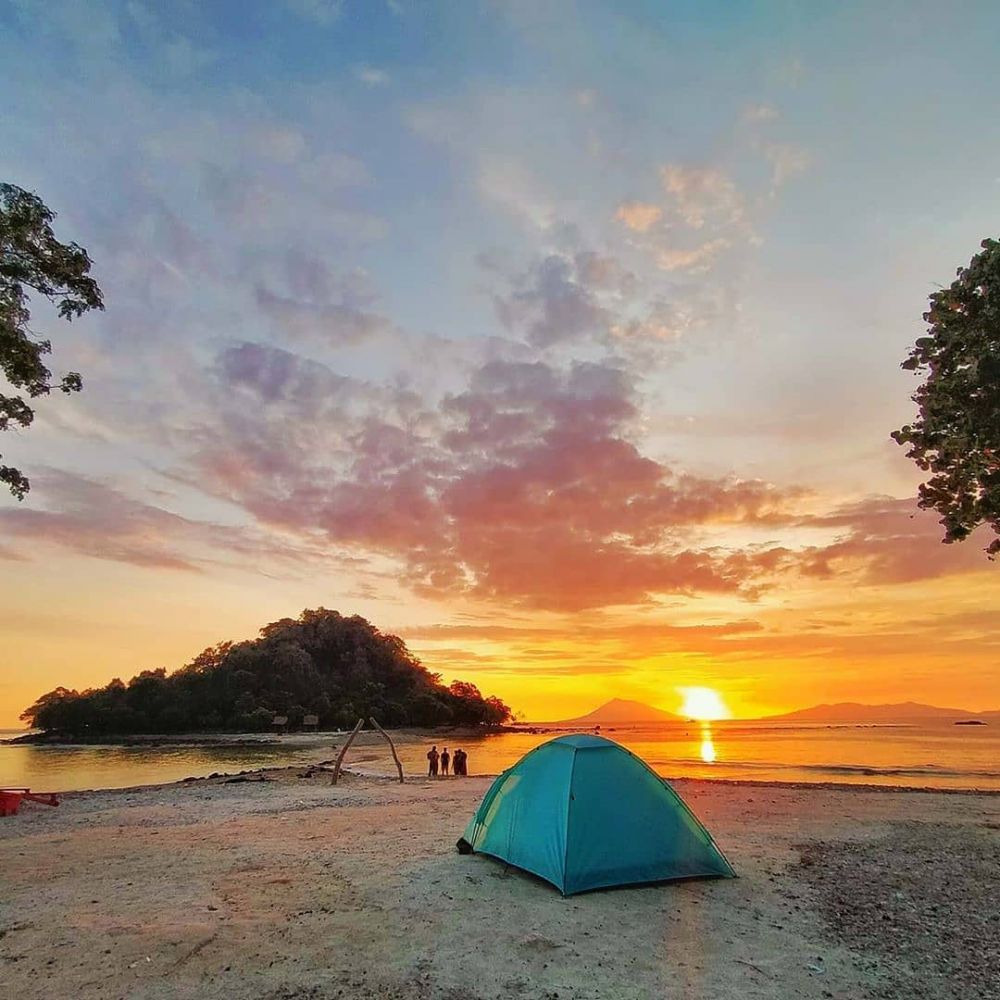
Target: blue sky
370,265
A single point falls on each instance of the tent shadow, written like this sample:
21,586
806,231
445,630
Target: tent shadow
504,870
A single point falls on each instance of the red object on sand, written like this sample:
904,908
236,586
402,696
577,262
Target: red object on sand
11,799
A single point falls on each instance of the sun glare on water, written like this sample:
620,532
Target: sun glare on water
707,748
702,703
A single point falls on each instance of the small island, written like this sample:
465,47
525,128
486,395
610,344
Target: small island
970,722
322,669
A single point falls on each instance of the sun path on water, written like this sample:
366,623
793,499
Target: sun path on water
705,705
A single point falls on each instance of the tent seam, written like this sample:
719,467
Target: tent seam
569,807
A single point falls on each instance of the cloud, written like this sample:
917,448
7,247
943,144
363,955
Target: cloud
334,169
509,182
602,272
92,518
598,644
573,297
786,159
639,216
702,195
183,58
332,322
500,492
9,554
571,645
514,145
250,179
321,12
886,540
278,143
660,632
759,113
704,214
307,205
274,375
698,258
370,76
705,218
94,30
791,72
662,321
559,299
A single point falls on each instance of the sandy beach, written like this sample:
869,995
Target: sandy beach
288,887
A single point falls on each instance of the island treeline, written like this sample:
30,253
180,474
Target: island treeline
324,664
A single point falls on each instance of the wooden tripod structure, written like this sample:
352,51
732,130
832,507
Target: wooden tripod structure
350,740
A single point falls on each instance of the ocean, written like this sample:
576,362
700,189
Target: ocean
75,768
927,755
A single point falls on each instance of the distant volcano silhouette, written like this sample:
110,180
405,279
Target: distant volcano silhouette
620,710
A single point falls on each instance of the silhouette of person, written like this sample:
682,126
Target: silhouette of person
432,762
445,760
459,767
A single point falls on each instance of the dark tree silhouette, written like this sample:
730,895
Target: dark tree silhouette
31,257
956,436
318,664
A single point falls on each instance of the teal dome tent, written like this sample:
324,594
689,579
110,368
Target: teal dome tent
584,813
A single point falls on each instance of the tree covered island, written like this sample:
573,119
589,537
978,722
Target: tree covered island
321,664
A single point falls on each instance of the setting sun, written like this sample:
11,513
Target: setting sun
702,703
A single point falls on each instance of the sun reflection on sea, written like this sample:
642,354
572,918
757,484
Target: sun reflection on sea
707,745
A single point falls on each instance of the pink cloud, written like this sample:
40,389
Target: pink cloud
702,195
889,540
639,216
523,488
93,518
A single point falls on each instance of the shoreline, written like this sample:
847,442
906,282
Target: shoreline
241,739
238,754
270,738
365,774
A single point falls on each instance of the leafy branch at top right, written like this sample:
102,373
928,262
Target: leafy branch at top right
956,434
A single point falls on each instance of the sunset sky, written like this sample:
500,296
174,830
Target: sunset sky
562,339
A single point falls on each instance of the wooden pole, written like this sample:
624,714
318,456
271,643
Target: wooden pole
344,749
392,747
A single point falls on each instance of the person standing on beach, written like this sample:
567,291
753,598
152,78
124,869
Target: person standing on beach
432,762
445,761
459,763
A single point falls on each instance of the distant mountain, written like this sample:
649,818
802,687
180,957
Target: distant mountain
620,711
906,711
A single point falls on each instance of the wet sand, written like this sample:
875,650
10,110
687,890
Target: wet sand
291,888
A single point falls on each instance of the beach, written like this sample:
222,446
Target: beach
279,886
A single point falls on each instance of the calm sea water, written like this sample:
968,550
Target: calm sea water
935,756
65,769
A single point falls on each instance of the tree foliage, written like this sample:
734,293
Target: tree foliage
32,258
320,663
956,436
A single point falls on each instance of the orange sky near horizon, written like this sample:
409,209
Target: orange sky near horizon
573,361
780,653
